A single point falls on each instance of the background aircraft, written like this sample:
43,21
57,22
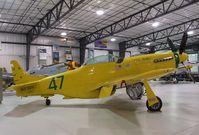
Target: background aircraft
98,77
7,78
48,70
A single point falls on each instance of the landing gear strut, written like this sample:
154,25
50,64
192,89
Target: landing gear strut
153,102
48,102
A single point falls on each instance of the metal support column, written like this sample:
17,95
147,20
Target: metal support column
1,85
82,50
198,61
152,49
28,52
122,49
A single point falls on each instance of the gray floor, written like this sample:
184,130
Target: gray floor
117,115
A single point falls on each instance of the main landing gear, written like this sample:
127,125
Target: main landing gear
155,107
153,103
48,102
135,91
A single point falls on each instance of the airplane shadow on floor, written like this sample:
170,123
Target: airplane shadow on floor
119,106
26,109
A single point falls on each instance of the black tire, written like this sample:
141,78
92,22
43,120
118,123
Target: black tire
48,102
156,107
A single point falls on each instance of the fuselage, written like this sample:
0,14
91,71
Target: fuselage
86,81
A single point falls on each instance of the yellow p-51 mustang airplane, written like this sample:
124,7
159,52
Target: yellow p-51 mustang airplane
98,77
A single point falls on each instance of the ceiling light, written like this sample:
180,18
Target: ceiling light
63,34
155,24
147,44
98,1
64,39
100,12
190,32
113,39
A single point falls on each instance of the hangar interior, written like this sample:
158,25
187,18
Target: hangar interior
39,33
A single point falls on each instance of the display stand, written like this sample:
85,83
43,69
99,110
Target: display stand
1,87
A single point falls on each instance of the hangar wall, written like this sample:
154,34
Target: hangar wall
17,49
9,52
134,51
113,46
60,45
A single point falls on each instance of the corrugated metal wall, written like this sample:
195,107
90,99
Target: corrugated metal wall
9,52
34,55
62,50
18,52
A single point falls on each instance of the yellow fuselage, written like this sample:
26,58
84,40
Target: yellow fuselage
87,81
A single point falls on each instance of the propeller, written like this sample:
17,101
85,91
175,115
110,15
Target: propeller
173,48
183,43
181,50
188,72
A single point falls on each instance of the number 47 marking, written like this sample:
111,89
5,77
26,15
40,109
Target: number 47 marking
53,82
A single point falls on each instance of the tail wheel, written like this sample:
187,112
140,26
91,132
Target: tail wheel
156,107
48,102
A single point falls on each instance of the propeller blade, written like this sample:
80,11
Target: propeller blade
171,45
188,72
183,43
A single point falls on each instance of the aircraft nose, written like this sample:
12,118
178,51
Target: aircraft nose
183,57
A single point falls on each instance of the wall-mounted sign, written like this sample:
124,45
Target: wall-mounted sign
68,55
101,43
42,56
55,57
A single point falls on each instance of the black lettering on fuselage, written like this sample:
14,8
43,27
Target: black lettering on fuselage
162,59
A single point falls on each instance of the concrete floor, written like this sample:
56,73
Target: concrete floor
117,115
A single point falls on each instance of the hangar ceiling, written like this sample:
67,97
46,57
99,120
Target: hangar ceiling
129,21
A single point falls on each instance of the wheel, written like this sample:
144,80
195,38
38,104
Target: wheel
48,102
156,107
135,91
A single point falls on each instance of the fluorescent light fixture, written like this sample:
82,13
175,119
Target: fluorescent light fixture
190,32
155,24
99,12
63,34
63,39
147,44
113,39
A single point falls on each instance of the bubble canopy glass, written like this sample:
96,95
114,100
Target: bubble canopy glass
101,59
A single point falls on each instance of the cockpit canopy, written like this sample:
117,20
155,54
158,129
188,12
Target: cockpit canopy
101,59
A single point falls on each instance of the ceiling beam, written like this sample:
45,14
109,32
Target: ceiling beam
60,10
165,46
58,28
163,33
157,10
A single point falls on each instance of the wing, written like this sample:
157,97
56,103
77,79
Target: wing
143,76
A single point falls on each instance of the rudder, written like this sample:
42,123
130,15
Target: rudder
20,76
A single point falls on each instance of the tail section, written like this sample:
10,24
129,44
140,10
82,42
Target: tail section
20,76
